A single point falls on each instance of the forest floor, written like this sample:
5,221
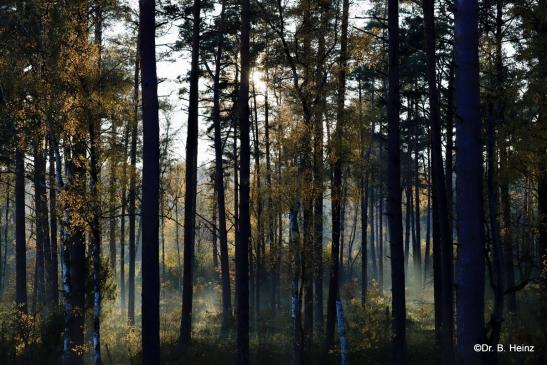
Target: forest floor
368,332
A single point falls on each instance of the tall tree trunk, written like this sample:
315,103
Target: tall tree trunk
5,232
123,210
54,285
242,247
381,240
133,193
417,249
495,239
336,186
76,175
427,256
96,212
394,191
259,222
441,240
364,186
40,213
318,170
373,258
219,187
470,266
191,185
449,163
150,185
20,240
499,106
296,290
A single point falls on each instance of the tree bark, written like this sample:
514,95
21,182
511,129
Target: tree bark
150,186
441,240
336,187
244,233
133,194
20,240
394,191
219,186
191,185
470,265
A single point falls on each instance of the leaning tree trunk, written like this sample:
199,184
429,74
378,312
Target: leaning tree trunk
150,186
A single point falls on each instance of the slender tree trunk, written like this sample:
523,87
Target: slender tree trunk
259,215
20,240
336,190
381,239
191,185
133,194
5,228
441,239
39,205
219,187
150,186
408,210
372,240
427,255
417,249
495,239
364,194
394,191
296,290
470,266
54,285
318,171
244,233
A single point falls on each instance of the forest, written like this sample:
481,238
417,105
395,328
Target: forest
269,182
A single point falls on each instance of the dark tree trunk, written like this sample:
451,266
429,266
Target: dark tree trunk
296,290
150,186
219,187
5,232
133,195
441,239
364,251
41,228
259,216
417,249
470,266
427,255
124,201
318,171
54,285
449,163
394,191
244,233
76,248
336,186
373,259
20,241
495,239
96,211
191,185
365,187
381,240
408,210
